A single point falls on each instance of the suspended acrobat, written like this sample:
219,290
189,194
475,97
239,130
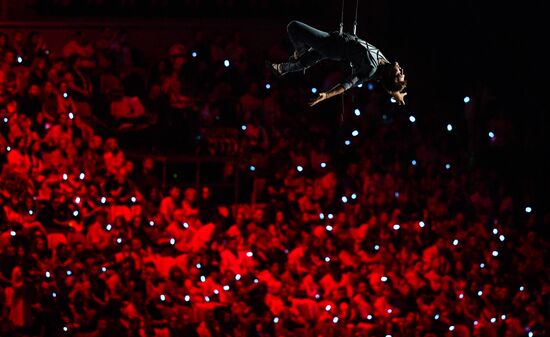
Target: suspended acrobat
312,45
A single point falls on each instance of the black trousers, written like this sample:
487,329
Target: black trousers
314,45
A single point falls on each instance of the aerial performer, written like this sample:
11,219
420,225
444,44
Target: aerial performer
312,45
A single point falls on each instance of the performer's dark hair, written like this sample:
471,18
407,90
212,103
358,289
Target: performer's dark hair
388,80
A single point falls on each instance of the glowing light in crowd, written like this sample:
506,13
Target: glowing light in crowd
357,112
328,307
479,293
119,240
327,259
396,194
393,100
451,328
347,142
360,85
243,127
13,233
323,165
65,95
388,335
207,299
313,90
65,329
194,54
455,242
447,166
69,273
71,115
369,317
226,63
103,200
344,199
226,288
203,278
75,213
503,317
528,209
198,265
299,168
330,216
256,280
216,291
502,238
396,226
530,334
103,269
187,298
5,119
354,196
466,99
275,320
495,231
317,296
321,216
268,86
54,294
249,254
252,168
491,134
421,224
449,127
8,148
493,320
76,200
482,265
31,212
185,225
461,296
476,322
412,119
162,297
376,247
48,274
522,288
390,311
370,86
436,317
384,279
172,241
335,319
355,133
495,253
133,199
65,176
108,227
237,277
328,228
19,59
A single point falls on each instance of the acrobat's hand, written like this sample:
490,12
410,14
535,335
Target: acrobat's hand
399,97
322,96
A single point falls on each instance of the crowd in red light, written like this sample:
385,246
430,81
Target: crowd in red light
351,240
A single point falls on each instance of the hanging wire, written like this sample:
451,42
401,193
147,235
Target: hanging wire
342,18
355,22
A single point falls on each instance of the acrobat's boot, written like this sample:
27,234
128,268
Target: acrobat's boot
280,69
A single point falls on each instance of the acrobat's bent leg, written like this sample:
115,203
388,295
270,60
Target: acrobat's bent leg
304,38
305,61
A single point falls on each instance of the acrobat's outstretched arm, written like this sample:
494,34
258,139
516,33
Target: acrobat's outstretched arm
337,90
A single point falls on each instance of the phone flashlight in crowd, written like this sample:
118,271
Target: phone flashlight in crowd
335,319
162,297
133,199
65,95
436,317
344,199
357,112
119,240
172,241
268,86
413,162
243,127
108,227
323,165
103,269
369,317
19,59
69,272
314,90
203,278
6,119
355,133
466,99
249,254
187,298
449,127
13,233
82,176
226,63
194,54
354,196
384,279
71,115
226,288
275,320
252,168
103,200
502,238
299,168
65,176
237,277
347,142
412,119
328,228
65,329
48,275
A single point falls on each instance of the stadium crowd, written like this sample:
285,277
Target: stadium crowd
376,229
